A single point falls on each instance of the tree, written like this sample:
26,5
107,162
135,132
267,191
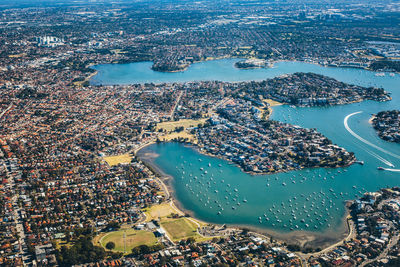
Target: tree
110,245
114,225
191,240
179,129
142,249
83,251
293,247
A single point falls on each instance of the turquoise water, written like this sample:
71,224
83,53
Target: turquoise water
316,196
222,70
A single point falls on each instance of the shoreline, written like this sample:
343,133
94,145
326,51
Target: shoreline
371,119
188,65
304,238
271,64
198,149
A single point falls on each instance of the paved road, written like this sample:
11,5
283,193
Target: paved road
393,241
304,257
176,104
4,112
351,235
18,219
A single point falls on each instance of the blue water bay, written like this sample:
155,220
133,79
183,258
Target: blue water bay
311,199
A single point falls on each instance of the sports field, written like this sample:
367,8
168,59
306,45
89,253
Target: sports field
171,125
175,135
133,239
159,211
180,228
176,228
115,160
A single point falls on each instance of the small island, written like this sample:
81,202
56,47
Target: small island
170,67
387,124
252,63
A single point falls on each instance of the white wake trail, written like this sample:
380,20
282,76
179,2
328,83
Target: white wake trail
379,157
346,125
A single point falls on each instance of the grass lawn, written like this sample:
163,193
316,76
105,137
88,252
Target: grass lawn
177,229
60,243
134,238
171,125
180,228
163,211
174,135
115,160
159,211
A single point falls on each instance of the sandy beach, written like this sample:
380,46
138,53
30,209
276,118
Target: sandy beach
371,119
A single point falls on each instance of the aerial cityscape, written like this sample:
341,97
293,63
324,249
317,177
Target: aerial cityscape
200,133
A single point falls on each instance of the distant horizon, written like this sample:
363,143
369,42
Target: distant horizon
26,2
